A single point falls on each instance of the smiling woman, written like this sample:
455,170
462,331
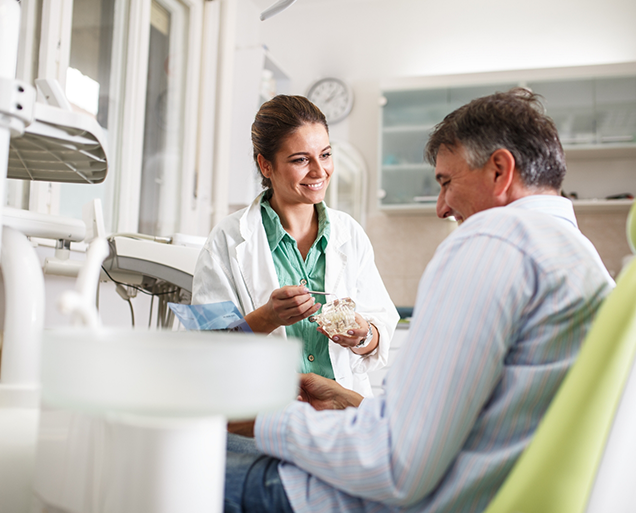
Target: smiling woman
267,257
300,172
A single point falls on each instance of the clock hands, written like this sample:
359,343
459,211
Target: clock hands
333,97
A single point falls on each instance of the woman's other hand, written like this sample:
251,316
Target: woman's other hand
286,306
291,304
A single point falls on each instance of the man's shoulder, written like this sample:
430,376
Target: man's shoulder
552,241
501,221
536,233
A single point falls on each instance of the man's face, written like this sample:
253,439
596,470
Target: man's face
465,191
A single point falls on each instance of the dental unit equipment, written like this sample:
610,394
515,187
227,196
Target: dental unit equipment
94,419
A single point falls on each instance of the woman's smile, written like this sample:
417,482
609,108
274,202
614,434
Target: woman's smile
315,186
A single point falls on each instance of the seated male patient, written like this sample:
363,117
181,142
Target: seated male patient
500,314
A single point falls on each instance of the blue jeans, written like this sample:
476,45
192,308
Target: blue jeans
252,483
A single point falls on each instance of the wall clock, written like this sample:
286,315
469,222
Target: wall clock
333,97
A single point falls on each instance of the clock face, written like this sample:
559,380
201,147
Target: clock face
333,97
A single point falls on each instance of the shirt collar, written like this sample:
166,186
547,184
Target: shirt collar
276,233
324,227
557,206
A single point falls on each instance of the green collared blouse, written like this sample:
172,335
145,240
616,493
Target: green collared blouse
291,269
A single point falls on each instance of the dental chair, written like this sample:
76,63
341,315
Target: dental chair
583,455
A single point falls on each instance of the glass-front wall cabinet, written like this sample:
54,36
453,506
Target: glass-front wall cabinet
589,113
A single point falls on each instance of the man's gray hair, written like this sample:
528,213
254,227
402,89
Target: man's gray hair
515,121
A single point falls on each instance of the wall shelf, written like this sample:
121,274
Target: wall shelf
601,205
407,128
401,167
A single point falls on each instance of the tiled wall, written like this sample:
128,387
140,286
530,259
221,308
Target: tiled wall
607,231
404,244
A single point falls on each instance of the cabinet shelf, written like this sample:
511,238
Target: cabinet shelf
580,206
602,205
426,209
405,167
599,151
400,129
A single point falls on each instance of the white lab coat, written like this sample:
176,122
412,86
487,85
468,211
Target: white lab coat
236,265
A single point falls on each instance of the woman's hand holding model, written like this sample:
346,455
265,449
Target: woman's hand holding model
354,337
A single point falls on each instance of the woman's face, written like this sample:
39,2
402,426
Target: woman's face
302,167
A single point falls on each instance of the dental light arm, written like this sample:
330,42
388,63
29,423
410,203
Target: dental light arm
81,302
274,9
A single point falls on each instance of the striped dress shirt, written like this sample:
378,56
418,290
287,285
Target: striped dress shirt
501,311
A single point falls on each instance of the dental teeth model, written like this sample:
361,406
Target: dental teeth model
337,317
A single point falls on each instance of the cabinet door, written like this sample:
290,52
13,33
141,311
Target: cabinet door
570,103
592,111
408,117
615,102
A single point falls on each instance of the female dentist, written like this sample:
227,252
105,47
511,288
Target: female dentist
267,257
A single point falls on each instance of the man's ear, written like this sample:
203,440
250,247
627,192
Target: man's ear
264,165
503,166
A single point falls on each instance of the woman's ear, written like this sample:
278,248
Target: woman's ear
264,165
503,163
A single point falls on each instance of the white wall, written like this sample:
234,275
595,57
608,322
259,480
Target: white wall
249,25
374,39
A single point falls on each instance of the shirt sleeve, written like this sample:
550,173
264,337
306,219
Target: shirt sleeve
396,448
